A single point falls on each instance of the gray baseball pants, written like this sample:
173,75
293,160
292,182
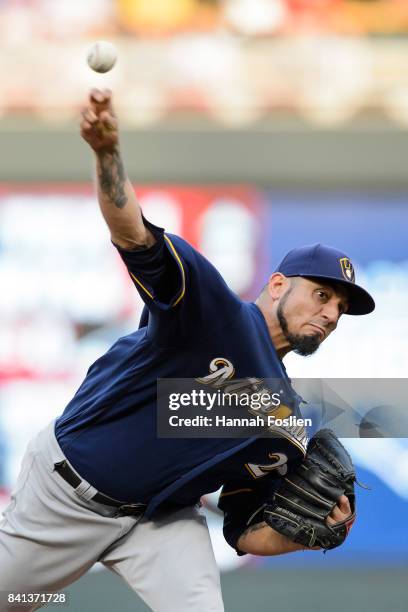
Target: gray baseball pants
50,536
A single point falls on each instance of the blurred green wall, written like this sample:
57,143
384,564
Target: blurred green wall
287,153
251,590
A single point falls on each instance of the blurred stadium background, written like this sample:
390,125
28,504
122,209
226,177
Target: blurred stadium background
250,127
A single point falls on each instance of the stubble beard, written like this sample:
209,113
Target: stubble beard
302,345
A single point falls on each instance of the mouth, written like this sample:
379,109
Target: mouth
321,331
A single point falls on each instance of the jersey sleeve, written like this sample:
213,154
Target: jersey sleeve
243,505
181,289
156,271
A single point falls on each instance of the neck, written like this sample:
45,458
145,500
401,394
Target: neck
279,341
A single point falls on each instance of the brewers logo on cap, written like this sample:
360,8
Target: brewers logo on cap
347,269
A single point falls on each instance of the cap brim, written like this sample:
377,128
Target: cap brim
360,301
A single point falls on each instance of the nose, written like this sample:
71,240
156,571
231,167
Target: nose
331,313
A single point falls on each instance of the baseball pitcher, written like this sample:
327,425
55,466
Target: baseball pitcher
99,485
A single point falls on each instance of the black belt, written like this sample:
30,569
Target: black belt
68,474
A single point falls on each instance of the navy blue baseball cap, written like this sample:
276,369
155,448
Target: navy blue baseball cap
320,261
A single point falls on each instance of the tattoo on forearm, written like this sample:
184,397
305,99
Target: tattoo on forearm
112,178
253,528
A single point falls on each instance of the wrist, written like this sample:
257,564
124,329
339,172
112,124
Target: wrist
104,153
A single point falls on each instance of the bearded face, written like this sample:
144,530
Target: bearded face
308,312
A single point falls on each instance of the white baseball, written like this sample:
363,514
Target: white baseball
102,56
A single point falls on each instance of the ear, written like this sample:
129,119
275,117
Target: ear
278,284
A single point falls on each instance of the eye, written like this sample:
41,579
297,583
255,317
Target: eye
322,294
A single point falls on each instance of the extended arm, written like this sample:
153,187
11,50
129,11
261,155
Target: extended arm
116,196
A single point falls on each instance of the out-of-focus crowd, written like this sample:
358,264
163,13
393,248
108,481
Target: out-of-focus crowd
66,18
234,61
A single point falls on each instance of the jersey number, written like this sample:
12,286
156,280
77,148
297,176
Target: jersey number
280,460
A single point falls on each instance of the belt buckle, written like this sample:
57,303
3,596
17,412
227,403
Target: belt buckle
131,509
